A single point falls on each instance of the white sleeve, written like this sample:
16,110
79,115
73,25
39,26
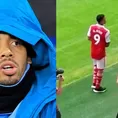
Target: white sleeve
107,37
89,32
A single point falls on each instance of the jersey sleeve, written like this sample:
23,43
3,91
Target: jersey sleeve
89,32
107,37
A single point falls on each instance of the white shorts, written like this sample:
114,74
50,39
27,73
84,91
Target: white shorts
99,63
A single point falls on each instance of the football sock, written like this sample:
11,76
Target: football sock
94,75
99,78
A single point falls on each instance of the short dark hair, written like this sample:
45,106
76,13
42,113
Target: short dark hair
100,17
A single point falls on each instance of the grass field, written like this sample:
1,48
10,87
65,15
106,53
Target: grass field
73,19
78,101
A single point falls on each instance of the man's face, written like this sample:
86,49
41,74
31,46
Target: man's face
13,59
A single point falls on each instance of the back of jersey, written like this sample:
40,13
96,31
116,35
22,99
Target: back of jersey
98,41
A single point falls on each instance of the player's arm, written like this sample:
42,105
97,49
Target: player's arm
107,44
89,38
117,80
89,33
107,39
60,81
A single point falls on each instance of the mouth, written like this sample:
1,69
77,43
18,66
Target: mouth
8,68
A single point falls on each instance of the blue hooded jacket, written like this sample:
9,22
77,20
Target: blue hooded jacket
18,19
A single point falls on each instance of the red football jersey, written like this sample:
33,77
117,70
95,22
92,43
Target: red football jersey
99,36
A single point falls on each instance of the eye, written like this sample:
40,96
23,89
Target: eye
16,43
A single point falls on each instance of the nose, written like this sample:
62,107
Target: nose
6,53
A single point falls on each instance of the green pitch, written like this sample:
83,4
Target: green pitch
78,101
73,20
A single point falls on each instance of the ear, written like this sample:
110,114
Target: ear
29,61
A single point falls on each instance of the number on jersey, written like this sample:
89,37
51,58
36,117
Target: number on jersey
97,38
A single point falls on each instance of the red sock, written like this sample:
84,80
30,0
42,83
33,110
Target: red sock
99,78
94,74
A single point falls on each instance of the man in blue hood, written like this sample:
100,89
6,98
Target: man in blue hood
27,64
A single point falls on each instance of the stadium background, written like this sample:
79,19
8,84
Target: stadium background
73,20
45,11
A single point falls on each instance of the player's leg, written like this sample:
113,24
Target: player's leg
99,78
117,115
94,73
58,113
100,70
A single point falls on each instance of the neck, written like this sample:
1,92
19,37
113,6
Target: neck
10,97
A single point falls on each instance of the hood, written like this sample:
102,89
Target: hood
18,19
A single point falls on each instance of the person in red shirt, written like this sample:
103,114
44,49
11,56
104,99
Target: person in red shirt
100,39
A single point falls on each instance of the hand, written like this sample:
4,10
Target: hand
59,91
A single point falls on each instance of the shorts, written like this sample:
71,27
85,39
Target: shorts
99,63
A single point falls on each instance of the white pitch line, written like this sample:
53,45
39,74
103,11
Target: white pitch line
68,45
76,41
88,75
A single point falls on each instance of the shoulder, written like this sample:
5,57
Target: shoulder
93,25
107,30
